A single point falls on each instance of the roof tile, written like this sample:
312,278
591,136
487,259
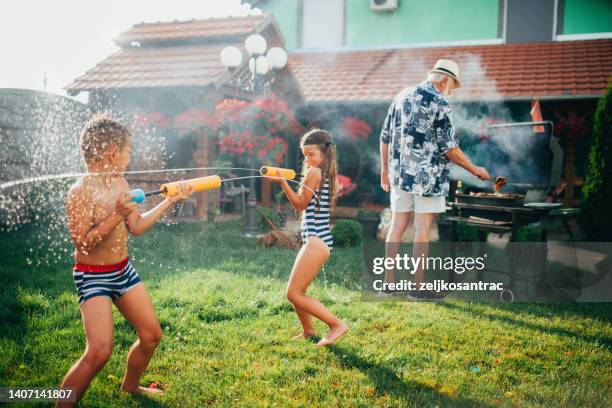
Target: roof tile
505,70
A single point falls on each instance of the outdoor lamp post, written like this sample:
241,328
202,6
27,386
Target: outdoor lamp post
262,66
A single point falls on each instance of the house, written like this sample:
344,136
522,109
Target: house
351,57
166,68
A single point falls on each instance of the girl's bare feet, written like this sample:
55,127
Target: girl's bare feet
143,390
333,335
304,335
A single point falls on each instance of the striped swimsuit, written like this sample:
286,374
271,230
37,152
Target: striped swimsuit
111,281
316,222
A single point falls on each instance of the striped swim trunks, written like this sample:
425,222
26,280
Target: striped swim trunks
111,281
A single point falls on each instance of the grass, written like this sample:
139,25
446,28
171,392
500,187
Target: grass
227,328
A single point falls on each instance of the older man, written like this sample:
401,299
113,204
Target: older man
417,144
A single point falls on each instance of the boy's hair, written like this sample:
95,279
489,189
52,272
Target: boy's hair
329,168
100,134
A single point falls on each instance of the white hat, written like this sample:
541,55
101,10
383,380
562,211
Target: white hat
448,67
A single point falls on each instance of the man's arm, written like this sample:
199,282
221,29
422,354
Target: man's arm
384,166
449,146
457,156
385,138
85,235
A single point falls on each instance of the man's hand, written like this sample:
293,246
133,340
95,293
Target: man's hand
185,191
125,205
481,173
384,180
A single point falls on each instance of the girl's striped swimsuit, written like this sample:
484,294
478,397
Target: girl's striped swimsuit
316,221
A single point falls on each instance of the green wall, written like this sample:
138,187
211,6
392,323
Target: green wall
417,21
587,16
286,14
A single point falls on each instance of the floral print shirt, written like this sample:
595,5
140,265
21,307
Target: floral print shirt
419,132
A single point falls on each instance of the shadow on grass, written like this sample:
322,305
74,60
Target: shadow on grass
600,310
145,401
24,289
595,340
387,382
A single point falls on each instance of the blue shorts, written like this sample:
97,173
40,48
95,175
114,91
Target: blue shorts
111,281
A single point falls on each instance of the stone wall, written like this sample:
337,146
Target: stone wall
38,136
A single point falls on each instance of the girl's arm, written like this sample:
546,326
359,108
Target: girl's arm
300,200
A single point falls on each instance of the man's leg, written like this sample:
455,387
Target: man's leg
422,227
399,223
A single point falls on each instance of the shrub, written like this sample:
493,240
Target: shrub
273,216
467,233
529,234
347,233
279,197
368,214
597,193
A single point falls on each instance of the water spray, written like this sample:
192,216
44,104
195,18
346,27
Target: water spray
172,189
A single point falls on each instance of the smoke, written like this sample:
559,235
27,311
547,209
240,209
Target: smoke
502,151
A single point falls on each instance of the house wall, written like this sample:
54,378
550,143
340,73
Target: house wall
417,21
413,21
421,22
39,135
286,13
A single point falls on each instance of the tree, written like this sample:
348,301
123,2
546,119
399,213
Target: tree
597,189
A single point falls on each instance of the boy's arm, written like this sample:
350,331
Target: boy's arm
85,235
300,201
138,223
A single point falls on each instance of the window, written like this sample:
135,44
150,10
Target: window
322,23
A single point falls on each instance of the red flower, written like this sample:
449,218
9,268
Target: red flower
146,121
196,120
355,129
250,127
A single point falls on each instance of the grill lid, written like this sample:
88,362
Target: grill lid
526,153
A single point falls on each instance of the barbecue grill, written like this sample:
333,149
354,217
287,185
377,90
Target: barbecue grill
530,157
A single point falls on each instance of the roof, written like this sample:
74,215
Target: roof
554,70
192,29
190,65
186,53
178,53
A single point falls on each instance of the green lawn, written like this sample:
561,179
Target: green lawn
227,328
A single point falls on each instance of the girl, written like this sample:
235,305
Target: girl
319,176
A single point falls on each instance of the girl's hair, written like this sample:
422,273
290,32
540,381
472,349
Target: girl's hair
329,168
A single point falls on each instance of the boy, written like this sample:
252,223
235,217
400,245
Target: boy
100,215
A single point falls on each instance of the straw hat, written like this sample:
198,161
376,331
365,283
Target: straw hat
448,67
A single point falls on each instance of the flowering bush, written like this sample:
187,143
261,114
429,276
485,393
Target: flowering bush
243,143
571,126
148,121
356,129
196,121
258,128
244,128
148,143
